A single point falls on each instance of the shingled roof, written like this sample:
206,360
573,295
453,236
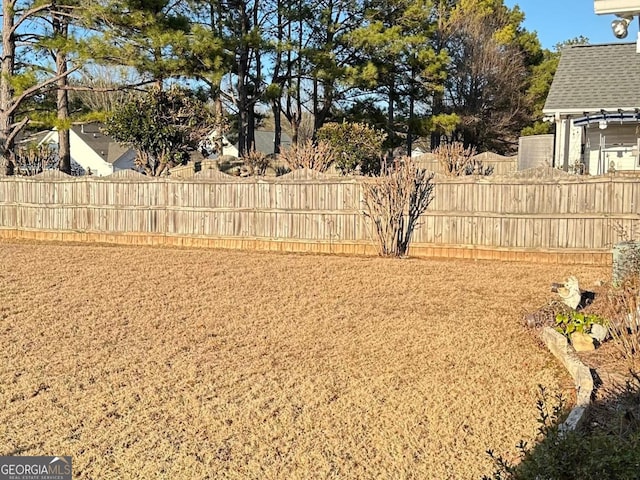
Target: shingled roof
591,78
102,144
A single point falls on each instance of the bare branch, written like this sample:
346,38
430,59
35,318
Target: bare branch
16,130
30,91
27,14
81,88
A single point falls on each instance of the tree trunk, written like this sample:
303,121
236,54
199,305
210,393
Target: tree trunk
243,117
6,92
219,128
391,115
315,105
293,109
276,103
243,75
412,94
61,28
277,126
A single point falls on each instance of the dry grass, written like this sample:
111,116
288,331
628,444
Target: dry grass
188,364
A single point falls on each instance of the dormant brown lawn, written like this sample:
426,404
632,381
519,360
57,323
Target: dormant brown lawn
188,364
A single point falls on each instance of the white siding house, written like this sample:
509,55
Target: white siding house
94,151
594,101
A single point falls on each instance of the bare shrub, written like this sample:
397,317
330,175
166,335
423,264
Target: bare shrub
477,167
34,159
314,156
394,202
621,309
455,159
256,163
622,305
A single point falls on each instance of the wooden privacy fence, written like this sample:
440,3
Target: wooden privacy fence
567,219
499,164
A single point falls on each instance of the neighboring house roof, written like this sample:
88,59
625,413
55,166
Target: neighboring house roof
264,141
265,138
591,78
26,137
91,133
116,152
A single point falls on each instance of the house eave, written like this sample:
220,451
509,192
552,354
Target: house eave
564,112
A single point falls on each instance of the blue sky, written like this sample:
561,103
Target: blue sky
559,20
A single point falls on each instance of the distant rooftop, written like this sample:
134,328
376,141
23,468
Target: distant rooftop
100,143
591,78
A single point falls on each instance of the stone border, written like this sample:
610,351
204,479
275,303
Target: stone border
559,346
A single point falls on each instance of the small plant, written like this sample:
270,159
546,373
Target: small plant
281,170
568,323
477,167
550,409
34,159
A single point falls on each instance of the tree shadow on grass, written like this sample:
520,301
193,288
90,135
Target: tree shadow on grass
605,447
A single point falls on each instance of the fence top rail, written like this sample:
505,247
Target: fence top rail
301,177
484,156
523,180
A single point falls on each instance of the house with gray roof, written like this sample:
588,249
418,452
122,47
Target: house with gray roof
95,151
594,101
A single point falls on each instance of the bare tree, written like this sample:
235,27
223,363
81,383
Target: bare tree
102,89
486,85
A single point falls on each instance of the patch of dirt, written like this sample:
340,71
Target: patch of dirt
177,363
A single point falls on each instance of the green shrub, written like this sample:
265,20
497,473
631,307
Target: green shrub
357,146
599,454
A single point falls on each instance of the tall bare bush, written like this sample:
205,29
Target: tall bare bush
623,306
309,155
256,162
455,159
394,202
624,318
34,159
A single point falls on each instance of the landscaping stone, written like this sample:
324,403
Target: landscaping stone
582,342
559,346
598,332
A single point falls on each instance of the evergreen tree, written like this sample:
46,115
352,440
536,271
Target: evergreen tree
22,78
